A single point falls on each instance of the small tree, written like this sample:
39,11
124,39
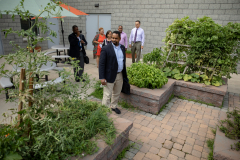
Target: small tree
37,106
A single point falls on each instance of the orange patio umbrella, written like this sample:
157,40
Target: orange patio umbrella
73,10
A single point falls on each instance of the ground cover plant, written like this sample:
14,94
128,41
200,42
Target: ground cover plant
98,92
231,127
210,144
210,51
70,130
146,76
54,122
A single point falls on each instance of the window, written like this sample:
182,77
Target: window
25,25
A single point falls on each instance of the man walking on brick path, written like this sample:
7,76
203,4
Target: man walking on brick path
136,41
123,40
112,70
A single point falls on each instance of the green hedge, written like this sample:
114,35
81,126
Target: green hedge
145,76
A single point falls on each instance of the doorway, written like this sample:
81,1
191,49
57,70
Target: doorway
93,23
54,28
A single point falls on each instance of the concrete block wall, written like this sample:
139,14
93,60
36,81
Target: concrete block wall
6,22
155,15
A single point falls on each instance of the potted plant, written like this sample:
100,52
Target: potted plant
38,48
129,54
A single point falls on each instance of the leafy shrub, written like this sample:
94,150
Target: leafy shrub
145,76
157,56
213,46
62,133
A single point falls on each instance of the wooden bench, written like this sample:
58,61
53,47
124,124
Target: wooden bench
59,57
6,83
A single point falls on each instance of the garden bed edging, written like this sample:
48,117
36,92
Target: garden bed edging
152,100
121,141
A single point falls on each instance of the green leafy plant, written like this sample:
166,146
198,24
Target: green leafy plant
231,126
214,49
55,123
98,92
145,76
63,132
187,77
157,56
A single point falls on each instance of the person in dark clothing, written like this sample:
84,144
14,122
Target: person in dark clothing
112,71
76,51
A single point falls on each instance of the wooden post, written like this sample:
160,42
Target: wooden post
31,89
21,89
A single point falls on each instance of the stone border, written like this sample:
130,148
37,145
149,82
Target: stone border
222,144
107,152
152,100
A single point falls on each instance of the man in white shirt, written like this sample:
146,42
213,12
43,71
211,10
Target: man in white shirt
136,41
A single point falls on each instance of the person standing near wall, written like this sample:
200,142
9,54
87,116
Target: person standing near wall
76,51
136,41
97,42
108,38
123,41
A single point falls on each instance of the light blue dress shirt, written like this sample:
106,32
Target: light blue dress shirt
140,36
120,56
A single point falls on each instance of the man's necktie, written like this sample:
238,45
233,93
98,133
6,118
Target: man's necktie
135,35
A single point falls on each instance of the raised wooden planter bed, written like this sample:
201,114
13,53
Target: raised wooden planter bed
151,100
106,152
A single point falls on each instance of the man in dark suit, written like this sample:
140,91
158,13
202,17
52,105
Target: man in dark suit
112,70
76,51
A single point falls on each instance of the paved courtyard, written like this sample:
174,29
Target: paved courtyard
180,131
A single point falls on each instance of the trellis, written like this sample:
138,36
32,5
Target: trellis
178,62
181,62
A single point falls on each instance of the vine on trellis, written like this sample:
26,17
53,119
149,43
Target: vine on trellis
200,48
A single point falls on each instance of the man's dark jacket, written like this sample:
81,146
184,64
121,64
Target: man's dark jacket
82,37
108,65
74,46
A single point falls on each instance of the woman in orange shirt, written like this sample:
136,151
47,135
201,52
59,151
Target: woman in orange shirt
98,40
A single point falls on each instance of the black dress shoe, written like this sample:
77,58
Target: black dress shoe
116,110
77,80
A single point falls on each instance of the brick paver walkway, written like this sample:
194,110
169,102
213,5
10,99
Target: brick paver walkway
181,134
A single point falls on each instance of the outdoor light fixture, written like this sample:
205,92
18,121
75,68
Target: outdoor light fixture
97,5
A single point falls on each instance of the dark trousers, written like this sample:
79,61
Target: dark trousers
81,65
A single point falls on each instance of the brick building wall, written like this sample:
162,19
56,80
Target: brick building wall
6,22
155,16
